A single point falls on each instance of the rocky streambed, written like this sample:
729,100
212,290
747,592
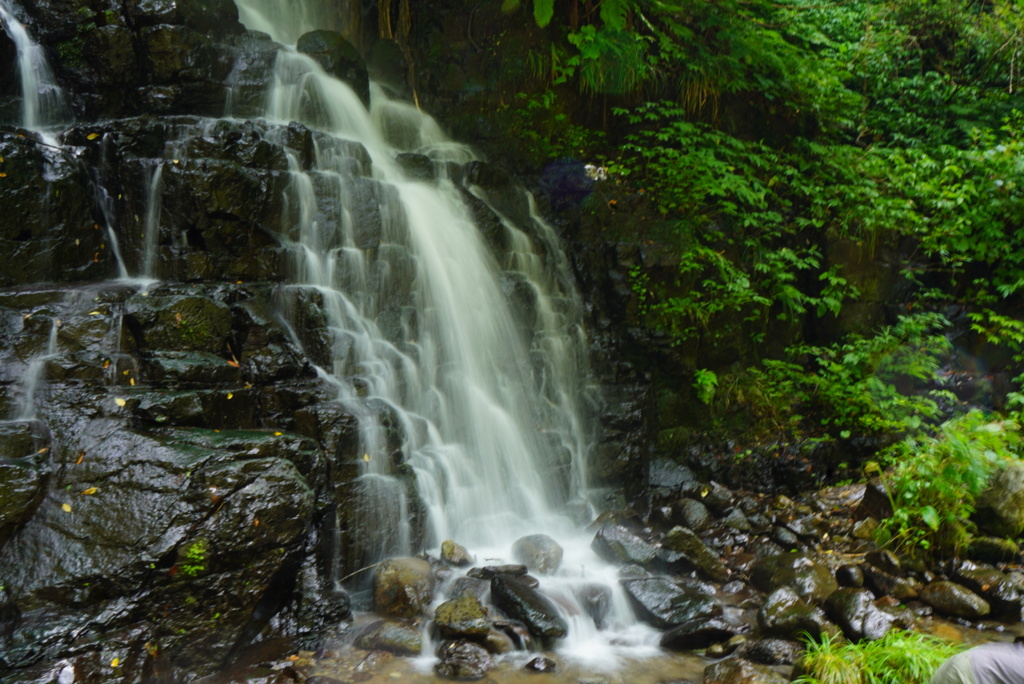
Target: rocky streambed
732,581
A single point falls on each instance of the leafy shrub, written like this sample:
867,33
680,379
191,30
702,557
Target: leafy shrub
897,658
934,481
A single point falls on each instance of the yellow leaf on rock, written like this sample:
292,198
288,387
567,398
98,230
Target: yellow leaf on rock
131,381
278,434
92,136
366,457
120,402
230,395
90,490
66,508
115,662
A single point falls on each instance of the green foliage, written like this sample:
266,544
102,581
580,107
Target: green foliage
860,386
900,657
706,383
934,481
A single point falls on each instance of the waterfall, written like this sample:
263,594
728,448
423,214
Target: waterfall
468,405
34,374
42,101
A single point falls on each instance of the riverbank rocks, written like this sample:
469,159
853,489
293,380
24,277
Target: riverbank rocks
949,598
617,544
1003,595
695,553
699,633
403,587
539,553
856,614
734,670
807,577
664,603
522,602
787,616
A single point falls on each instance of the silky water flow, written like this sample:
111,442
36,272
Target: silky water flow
490,409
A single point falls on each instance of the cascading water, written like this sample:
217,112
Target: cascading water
445,378
42,101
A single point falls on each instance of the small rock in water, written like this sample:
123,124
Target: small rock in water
463,616
491,571
455,554
462,660
538,552
541,664
596,600
391,635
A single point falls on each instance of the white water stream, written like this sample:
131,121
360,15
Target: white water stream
486,408
42,101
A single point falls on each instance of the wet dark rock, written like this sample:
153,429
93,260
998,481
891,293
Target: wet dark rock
899,588
875,502
462,660
771,651
665,604
616,544
1002,594
737,520
417,166
498,642
491,571
403,587
1000,509
719,499
469,585
339,58
521,602
806,576
462,617
671,478
734,670
949,598
596,599
695,553
856,614
994,549
697,634
517,632
455,554
541,664
693,514
787,616
538,552
394,636
850,576
885,560
20,484
785,537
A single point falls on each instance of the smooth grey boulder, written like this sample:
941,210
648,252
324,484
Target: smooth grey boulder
955,600
538,552
616,544
665,604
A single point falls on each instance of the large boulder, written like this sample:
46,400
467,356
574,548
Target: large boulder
462,617
855,612
788,616
694,553
403,587
617,544
955,600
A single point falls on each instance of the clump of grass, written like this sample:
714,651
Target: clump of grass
897,658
